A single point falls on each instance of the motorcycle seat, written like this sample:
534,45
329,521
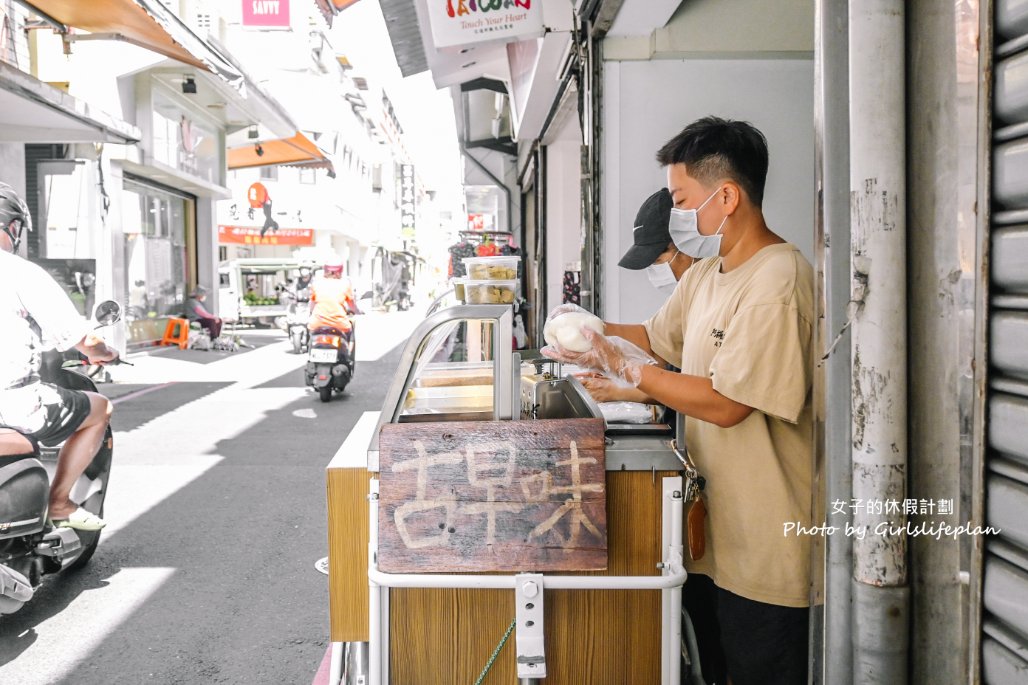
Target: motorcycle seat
329,331
15,444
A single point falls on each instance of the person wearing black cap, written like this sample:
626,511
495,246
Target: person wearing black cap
741,326
652,248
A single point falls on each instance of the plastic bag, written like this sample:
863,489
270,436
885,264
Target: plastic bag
627,412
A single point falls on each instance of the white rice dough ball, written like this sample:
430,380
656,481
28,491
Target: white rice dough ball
566,330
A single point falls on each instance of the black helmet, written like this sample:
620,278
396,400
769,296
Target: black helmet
13,208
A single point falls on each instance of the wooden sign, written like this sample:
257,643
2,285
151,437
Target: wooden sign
522,496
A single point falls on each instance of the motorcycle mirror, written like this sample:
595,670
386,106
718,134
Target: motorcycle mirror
107,313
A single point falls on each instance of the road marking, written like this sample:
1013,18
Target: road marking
141,391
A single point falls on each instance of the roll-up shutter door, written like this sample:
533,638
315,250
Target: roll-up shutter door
1005,617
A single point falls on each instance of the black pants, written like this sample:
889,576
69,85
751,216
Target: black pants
752,642
213,326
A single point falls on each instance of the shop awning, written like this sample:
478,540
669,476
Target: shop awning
330,8
35,112
405,35
296,150
146,23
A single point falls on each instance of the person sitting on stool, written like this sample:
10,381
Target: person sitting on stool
195,311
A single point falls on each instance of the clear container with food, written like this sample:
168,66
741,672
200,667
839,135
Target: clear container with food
492,268
490,292
458,289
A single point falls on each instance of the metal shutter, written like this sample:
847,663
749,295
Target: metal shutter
1005,600
34,154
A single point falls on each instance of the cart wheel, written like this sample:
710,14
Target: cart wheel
325,394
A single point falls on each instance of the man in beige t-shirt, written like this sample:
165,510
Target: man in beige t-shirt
739,325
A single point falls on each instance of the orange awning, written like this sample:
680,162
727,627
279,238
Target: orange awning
296,150
146,23
330,8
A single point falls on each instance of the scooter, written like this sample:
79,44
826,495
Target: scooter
331,362
30,546
297,316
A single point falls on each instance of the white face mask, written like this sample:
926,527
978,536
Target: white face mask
661,276
686,234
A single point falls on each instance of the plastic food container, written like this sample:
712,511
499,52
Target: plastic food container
458,289
491,292
492,268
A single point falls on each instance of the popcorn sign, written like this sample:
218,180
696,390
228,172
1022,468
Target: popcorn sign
458,23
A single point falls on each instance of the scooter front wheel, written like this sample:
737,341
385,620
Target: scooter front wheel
325,394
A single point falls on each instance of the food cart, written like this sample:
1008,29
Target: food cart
489,497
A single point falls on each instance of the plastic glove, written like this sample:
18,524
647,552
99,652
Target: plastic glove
614,357
565,330
603,389
565,309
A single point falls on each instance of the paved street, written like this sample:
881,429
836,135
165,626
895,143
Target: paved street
205,573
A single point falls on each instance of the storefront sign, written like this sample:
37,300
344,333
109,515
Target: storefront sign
8,49
481,222
492,496
257,195
266,13
407,200
183,142
246,235
464,22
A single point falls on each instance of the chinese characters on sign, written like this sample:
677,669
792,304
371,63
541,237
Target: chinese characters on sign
407,201
492,496
246,235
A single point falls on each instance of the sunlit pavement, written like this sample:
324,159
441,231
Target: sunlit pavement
216,515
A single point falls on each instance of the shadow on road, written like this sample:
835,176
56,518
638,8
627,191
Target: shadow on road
17,631
244,603
132,414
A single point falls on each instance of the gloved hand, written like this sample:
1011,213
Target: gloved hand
563,324
614,357
566,308
603,389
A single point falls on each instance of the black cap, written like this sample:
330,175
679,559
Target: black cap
650,233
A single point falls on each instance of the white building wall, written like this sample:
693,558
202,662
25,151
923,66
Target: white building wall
745,60
776,96
12,166
563,209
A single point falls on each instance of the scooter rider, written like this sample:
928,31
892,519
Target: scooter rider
35,313
332,300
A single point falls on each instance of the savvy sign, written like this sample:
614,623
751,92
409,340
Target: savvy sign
269,13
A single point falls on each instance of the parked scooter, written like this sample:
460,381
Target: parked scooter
331,362
30,547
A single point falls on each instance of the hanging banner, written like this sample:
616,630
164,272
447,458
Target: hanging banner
464,22
246,235
266,13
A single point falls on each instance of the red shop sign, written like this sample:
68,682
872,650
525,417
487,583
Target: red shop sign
247,235
267,13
